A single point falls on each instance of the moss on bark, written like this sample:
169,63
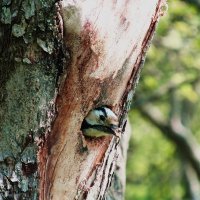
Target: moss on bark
31,61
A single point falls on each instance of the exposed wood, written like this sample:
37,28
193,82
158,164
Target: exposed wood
107,41
118,184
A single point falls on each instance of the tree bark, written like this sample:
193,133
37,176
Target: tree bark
107,47
92,51
30,64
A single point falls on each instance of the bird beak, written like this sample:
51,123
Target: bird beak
115,130
113,127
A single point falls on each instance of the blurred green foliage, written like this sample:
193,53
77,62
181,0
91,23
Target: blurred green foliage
154,168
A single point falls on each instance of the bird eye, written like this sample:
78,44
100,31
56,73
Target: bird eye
102,118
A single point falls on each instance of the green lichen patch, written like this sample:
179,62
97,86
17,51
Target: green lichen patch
29,8
6,2
18,30
6,15
30,62
24,119
47,46
26,60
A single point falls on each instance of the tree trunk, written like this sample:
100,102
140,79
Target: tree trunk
59,61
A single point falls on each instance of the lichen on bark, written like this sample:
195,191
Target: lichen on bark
28,81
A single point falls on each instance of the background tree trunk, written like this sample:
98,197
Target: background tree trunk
58,62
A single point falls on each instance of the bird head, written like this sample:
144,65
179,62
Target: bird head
102,119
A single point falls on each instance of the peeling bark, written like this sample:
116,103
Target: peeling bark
57,63
118,183
107,48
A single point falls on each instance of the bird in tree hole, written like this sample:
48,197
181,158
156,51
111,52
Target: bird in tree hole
101,121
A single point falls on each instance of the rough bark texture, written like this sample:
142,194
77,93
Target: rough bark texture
30,63
57,63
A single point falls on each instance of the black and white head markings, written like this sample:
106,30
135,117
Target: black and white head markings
99,122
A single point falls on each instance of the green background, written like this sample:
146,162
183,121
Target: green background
170,82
